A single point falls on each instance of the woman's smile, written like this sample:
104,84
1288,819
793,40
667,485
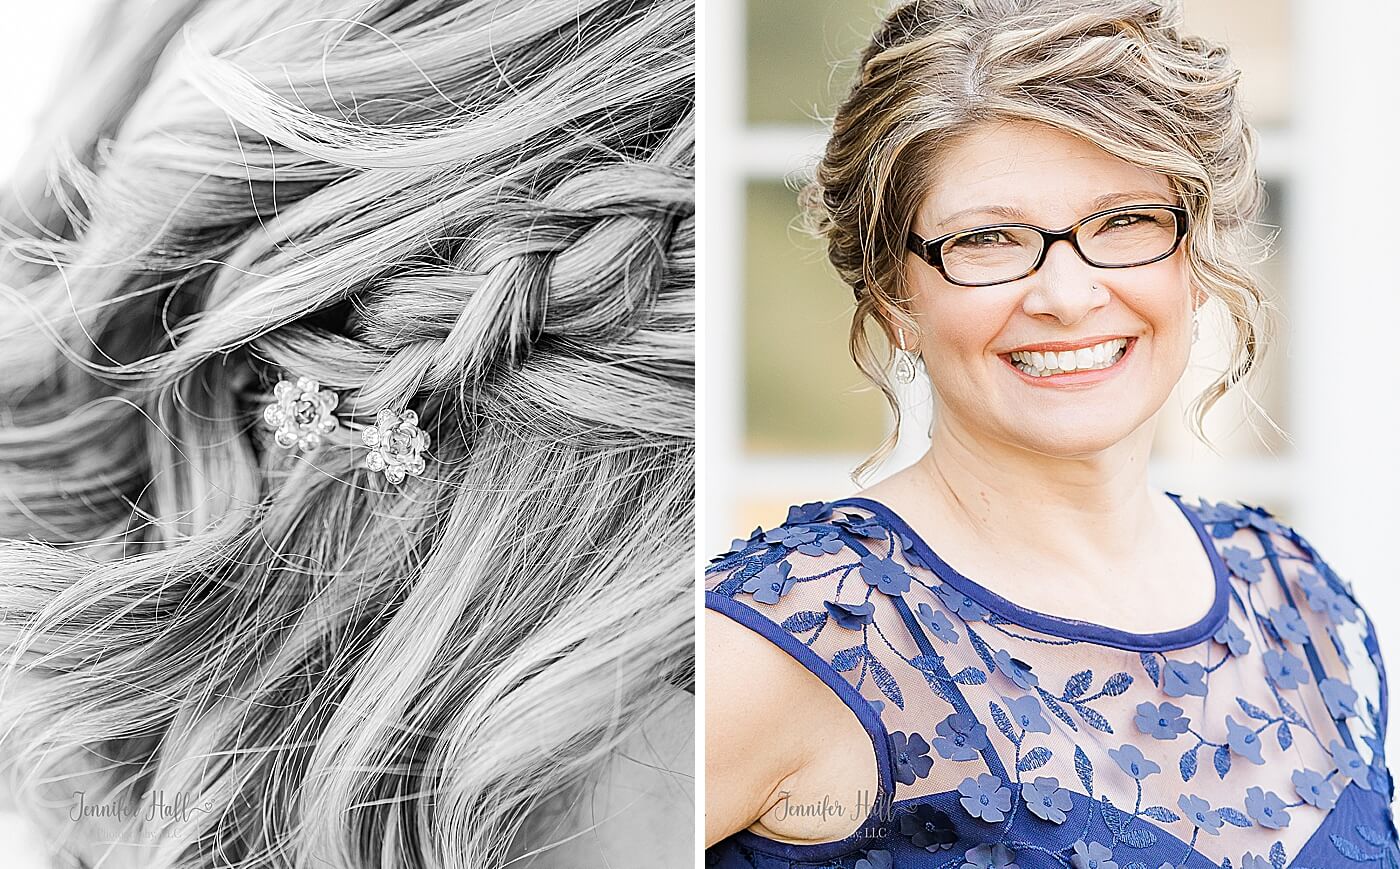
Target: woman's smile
1091,365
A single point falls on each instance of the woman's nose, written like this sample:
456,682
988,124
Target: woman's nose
1063,285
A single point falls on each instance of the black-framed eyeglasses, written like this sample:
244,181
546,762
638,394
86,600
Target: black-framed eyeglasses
1118,238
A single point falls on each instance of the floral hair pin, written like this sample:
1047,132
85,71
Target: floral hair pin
396,444
301,413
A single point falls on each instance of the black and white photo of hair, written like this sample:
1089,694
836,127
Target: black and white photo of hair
237,652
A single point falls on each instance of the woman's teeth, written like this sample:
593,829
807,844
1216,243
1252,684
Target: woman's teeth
1039,364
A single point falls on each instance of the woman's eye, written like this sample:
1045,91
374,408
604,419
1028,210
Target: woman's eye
979,239
1127,220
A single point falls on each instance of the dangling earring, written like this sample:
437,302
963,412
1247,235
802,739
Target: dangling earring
1195,326
904,362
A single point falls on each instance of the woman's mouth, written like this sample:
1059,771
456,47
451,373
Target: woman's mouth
1063,364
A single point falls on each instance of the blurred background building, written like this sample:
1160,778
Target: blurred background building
787,416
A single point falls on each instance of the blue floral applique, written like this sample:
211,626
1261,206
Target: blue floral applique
1132,761
1285,668
771,583
1266,808
1289,624
1180,678
1224,519
911,760
928,828
1016,670
1161,720
1314,788
966,608
1321,598
1248,567
1230,635
1243,741
1340,697
960,737
1046,799
939,625
1200,814
886,574
1025,712
740,546
910,552
867,527
813,511
989,856
1092,855
851,616
986,797
1350,764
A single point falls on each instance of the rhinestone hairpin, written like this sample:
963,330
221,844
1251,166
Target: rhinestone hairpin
301,413
396,444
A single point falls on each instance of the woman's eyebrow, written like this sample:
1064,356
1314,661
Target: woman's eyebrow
1107,200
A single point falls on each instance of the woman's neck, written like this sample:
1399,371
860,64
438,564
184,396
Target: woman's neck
1075,514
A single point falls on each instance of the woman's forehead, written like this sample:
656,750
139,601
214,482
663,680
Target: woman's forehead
1033,173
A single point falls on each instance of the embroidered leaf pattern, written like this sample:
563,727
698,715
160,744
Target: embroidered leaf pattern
1085,770
847,659
804,621
1188,763
1003,722
1252,711
1034,759
1078,684
1222,760
1161,813
884,680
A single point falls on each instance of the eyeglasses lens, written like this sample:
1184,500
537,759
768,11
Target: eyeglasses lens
1005,253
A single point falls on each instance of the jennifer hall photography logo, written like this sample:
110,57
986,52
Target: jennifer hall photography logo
176,808
863,808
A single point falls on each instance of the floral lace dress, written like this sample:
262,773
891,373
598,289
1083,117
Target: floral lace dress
1006,737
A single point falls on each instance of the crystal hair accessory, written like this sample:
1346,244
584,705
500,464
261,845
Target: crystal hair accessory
301,413
396,444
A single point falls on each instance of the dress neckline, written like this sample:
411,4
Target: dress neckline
1062,626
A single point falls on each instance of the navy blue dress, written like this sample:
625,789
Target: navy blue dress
1252,739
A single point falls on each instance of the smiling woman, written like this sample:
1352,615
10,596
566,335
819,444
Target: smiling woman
1016,649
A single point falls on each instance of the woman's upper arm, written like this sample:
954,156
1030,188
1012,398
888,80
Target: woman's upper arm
752,743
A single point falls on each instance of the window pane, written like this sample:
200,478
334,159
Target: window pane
801,55
803,392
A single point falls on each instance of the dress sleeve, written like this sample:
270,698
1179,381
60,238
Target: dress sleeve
1351,633
799,587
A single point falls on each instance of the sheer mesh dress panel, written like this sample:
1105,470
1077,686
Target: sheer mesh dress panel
1253,738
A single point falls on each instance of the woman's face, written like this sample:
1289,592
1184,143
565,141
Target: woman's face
1052,179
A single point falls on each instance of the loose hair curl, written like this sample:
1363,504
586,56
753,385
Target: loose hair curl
1117,73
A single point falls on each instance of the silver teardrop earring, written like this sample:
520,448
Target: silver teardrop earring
904,370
